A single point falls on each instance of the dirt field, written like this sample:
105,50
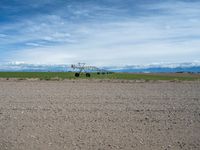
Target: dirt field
99,115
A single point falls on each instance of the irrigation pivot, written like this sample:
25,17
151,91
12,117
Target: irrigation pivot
81,68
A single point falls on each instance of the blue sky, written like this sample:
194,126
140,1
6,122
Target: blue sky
99,32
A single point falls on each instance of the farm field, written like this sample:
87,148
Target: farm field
95,115
126,76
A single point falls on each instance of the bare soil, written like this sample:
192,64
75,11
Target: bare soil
99,115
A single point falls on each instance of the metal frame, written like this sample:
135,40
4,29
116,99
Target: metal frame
82,68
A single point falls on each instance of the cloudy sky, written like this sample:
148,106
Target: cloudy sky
99,32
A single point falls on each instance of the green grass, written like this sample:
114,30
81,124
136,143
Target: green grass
70,75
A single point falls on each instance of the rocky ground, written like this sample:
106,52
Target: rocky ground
99,115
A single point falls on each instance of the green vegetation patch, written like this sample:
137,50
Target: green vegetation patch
126,76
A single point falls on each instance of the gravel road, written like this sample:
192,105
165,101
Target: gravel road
99,115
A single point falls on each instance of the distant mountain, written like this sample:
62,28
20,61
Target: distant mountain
156,67
22,67
195,69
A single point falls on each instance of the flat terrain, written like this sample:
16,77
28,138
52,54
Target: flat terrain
99,115
109,75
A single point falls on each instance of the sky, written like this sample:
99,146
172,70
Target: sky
99,32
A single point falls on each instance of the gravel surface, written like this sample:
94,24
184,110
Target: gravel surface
99,115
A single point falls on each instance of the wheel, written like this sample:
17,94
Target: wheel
77,74
98,73
87,74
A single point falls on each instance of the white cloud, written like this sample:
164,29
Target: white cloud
42,56
33,44
3,35
172,36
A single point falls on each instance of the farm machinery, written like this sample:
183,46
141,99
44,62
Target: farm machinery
81,68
